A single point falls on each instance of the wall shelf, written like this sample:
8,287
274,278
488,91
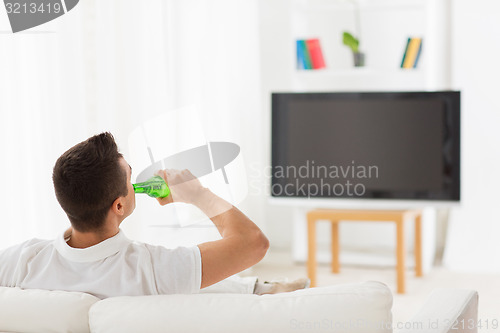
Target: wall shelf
359,79
383,45
361,72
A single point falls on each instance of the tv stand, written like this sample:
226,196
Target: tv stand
336,216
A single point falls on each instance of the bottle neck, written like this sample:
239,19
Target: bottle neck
139,189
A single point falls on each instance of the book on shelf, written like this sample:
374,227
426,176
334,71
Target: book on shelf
309,54
412,52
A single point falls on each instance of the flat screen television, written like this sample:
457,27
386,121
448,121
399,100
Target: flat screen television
366,145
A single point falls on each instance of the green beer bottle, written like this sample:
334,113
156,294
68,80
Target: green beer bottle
154,187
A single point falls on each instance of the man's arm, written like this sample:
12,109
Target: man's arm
242,245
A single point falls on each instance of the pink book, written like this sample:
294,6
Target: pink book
315,53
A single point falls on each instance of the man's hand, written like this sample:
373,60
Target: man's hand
184,186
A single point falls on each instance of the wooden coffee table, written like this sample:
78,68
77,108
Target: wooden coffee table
336,216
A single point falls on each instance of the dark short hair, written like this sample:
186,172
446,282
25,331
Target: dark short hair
87,180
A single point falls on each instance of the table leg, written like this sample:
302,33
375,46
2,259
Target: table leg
400,255
418,245
311,250
335,247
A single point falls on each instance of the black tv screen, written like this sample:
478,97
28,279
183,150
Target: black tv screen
383,145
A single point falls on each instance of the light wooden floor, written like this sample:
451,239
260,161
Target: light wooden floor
277,265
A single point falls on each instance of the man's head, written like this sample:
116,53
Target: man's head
92,180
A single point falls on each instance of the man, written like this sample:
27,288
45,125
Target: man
93,185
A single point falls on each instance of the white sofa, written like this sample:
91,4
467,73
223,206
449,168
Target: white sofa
353,308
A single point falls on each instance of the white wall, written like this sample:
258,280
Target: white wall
474,235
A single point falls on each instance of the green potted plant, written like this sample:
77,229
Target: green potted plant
353,43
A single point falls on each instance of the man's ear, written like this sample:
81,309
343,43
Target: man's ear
117,206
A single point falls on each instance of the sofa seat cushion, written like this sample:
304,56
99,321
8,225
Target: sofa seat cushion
44,311
362,308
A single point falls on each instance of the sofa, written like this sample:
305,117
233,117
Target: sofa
349,308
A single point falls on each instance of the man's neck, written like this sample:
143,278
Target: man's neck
81,240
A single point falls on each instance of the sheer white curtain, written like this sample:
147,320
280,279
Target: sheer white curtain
108,66
32,131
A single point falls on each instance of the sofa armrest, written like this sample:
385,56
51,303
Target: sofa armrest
446,311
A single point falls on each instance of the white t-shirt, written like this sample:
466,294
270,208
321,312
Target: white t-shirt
114,267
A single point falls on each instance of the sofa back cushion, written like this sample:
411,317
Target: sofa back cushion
44,311
359,308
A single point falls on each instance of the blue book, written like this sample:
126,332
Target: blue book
299,55
303,56
301,61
